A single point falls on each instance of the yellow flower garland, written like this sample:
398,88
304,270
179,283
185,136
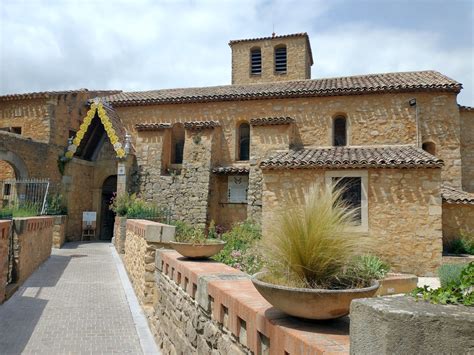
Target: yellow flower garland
104,119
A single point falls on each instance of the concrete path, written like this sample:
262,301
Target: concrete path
78,302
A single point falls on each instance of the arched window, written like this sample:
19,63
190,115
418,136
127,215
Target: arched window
429,147
339,130
177,144
256,61
244,141
280,60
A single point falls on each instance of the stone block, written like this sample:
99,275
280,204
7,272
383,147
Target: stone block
400,325
153,233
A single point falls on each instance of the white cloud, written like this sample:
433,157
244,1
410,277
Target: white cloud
140,45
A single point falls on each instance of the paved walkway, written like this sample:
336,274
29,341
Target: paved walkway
78,302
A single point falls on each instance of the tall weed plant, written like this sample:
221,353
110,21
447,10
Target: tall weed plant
314,244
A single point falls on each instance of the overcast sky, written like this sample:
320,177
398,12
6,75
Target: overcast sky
143,45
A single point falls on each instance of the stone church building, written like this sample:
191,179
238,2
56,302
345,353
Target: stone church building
399,141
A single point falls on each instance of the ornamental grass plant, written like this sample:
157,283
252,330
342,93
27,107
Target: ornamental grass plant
313,244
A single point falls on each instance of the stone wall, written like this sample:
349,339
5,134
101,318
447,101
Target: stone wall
120,232
186,192
457,219
404,212
378,119
6,171
210,308
59,231
4,243
32,240
400,325
142,239
298,60
467,149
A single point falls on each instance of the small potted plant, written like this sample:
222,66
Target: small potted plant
192,242
314,258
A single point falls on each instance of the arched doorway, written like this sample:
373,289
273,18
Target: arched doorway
109,188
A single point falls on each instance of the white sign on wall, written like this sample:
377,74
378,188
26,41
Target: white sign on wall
237,186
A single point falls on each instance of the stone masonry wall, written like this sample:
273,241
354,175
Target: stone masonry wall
59,231
404,212
186,194
32,241
31,115
298,61
4,243
120,232
467,149
211,308
6,171
457,219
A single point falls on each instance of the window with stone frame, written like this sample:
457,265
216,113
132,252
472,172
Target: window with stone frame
339,130
243,149
177,143
354,194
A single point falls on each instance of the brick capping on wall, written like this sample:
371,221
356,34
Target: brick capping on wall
228,298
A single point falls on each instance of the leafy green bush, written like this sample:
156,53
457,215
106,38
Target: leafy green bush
186,233
462,245
366,267
55,205
459,291
134,207
241,250
449,273
313,244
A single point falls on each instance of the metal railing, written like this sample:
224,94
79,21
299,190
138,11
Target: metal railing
24,193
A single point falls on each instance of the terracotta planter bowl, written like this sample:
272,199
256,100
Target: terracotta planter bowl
198,251
311,303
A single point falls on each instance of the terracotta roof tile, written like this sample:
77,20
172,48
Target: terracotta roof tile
265,121
454,196
465,108
353,157
352,85
229,170
47,94
152,126
197,125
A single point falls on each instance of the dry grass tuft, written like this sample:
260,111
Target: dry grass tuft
313,245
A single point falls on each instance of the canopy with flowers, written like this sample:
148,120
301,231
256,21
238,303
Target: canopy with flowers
112,125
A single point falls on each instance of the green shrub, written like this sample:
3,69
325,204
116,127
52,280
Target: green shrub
366,267
20,210
456,292
313,244
186,233
56,205
133,207
462,245
241,250
449,273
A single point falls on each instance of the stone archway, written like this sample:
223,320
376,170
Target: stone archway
18,165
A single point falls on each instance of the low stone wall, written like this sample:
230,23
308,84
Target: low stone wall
142,239
32,240
59,231
120,232
457,219
4,242
205,307
400,325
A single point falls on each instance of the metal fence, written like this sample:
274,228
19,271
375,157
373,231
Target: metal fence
24,193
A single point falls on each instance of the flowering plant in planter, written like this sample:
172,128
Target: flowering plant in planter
315,263
192,242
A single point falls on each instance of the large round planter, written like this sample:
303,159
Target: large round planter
311,303
198,251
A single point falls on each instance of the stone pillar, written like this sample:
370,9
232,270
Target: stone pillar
121,177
